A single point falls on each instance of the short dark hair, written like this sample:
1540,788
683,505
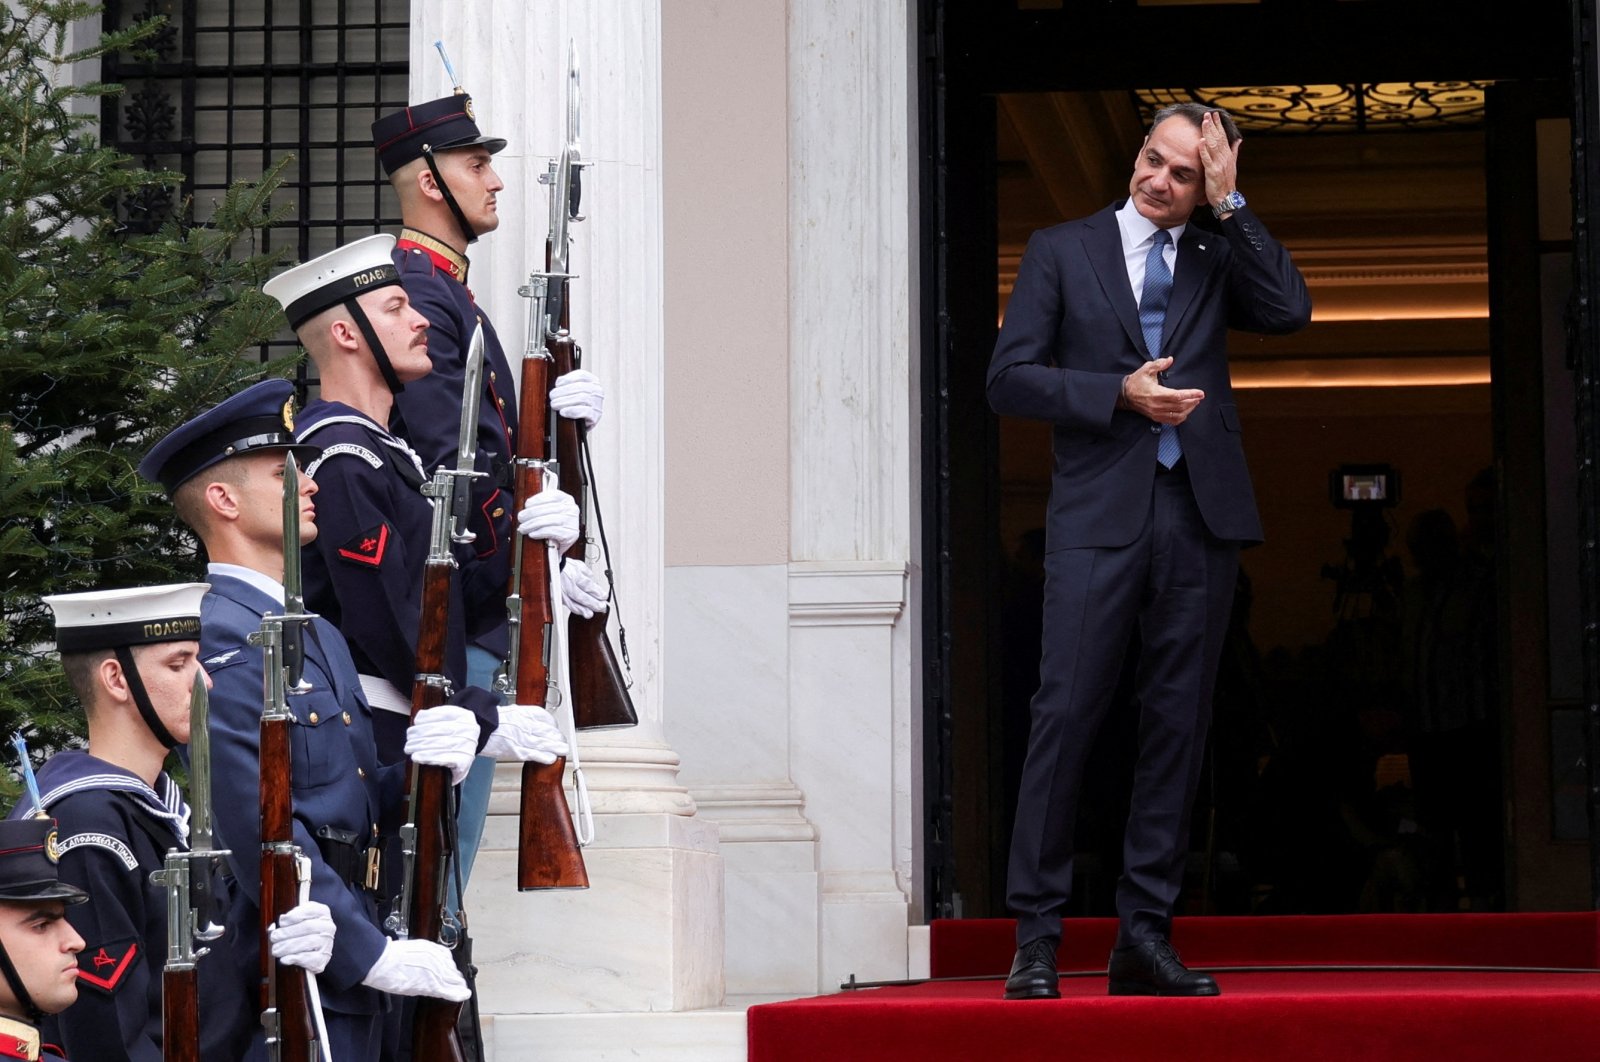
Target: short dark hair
189,497
1194,112
81,669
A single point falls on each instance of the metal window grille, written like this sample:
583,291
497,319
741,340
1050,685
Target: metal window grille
237,84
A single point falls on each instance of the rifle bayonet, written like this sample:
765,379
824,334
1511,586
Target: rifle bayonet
294,602
467,440
575,153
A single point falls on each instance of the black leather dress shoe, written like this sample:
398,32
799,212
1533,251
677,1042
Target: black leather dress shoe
1152,968
1033,972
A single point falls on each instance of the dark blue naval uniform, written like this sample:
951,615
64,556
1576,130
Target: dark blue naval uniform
339,791
114,830
364,572
428,418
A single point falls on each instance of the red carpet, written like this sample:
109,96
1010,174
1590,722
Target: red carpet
1343,1015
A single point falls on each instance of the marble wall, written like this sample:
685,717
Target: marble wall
747,294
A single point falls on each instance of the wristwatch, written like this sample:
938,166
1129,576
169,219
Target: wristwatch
1228,204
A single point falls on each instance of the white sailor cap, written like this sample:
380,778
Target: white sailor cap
139,615
343,273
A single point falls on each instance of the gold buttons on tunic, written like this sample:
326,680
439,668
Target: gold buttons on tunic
346,718
361,772
315,719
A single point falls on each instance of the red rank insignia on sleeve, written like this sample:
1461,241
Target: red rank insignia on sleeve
368,547
105,967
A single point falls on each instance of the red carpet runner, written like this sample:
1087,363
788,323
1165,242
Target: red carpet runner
1342,1015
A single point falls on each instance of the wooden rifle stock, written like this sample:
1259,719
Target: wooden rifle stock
548,854
600,698
283,987
180,1015
433,1029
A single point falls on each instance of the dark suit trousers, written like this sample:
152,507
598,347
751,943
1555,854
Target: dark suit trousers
1175,583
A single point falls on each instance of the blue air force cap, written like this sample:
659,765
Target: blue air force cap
439,124
29,863
261,417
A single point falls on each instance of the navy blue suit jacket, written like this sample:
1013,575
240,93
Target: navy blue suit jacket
1071,333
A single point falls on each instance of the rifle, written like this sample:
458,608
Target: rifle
428,836
549,855
599,691
187,877
288,998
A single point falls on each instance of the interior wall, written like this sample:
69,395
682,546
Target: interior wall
1437,438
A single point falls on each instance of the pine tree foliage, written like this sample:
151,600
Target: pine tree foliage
108,339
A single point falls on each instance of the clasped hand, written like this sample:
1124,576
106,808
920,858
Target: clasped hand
1143,392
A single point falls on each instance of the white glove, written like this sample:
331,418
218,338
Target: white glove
551,515
418,968
580,590
578,396
526,732
446,736
303,936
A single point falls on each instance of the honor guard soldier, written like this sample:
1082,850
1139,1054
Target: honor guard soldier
224,471
38,946
441,168
131,656
364,571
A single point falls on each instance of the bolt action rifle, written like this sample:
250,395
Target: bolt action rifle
289,1005
598,690
549,855
428,838
186,873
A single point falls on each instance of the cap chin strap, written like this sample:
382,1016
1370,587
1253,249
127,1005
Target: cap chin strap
379,355
20,990
449,199
141,699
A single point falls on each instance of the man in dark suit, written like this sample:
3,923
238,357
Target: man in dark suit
1116,333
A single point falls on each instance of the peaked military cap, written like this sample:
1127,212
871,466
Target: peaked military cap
139,615
261,417
29,861
439,124
343,273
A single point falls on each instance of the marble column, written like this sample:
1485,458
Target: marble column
647,936
852,210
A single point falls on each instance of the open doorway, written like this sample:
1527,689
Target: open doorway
1370,738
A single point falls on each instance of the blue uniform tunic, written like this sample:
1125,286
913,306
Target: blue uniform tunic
364,572
114,830
335,782
428,415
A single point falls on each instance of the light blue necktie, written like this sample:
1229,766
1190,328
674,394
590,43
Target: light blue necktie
1152,319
